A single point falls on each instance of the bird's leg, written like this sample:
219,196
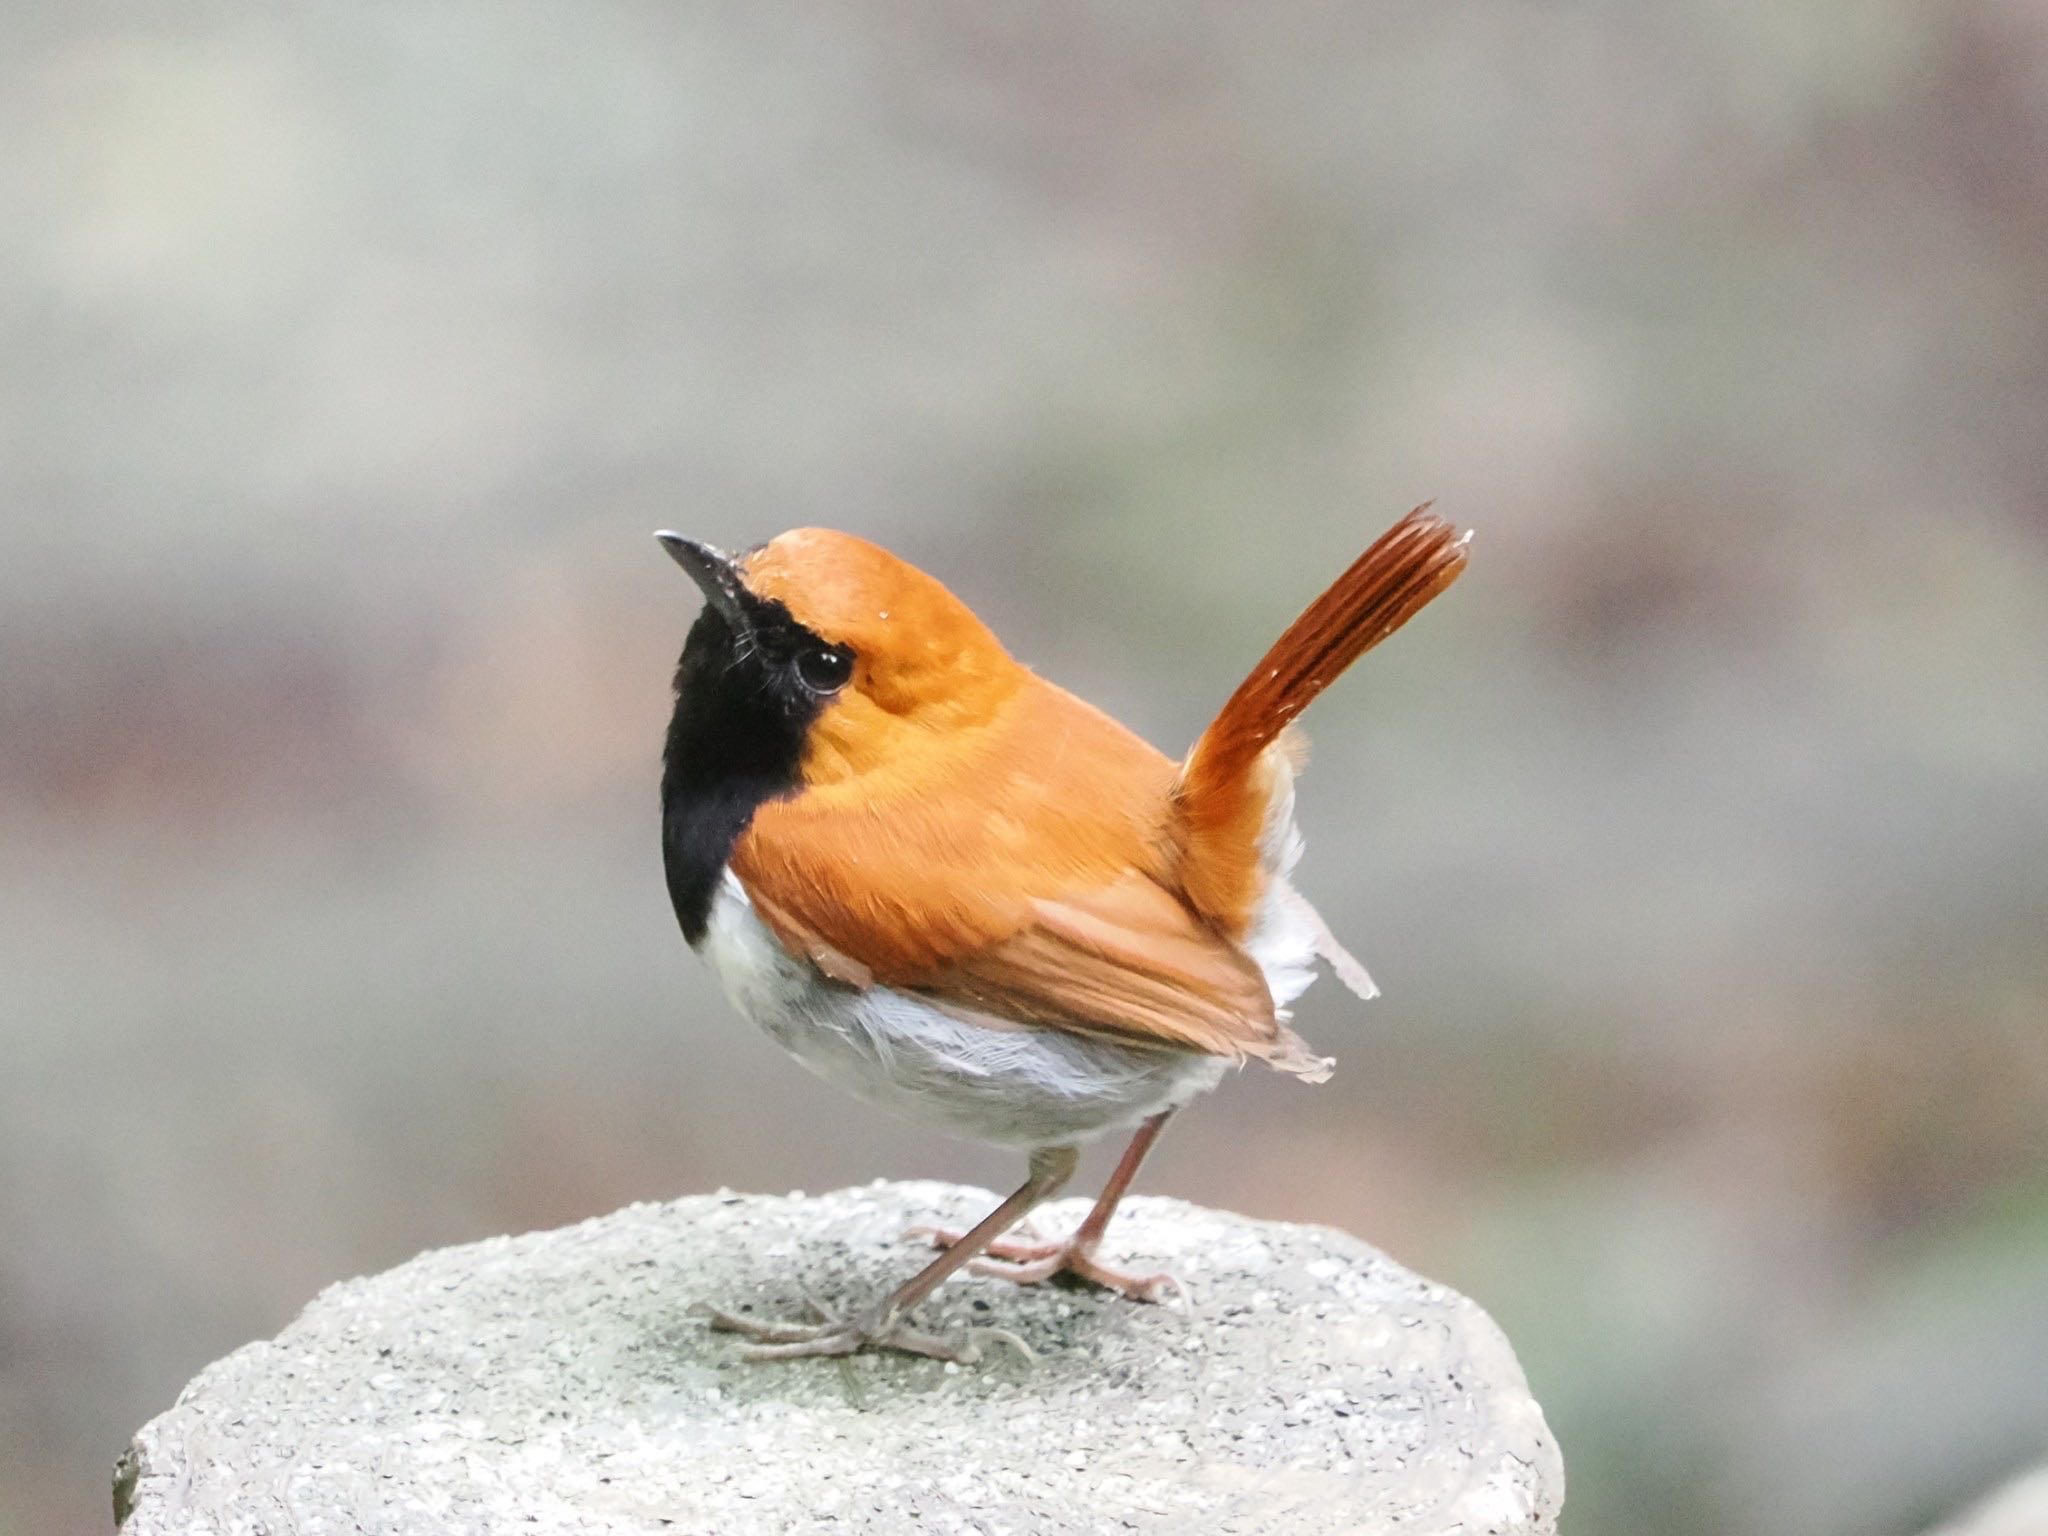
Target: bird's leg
1023,1244
1024,1247
1078,1254
881,1326
1029,1264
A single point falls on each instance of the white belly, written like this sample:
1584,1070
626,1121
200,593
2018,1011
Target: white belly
1013,1087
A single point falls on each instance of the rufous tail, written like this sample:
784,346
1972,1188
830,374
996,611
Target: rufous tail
1224,785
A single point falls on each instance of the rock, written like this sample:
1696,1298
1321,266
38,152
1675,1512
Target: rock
557,1382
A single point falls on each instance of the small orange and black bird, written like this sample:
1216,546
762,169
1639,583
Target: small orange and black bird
952,887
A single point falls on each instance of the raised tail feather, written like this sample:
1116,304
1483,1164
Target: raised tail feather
1224,785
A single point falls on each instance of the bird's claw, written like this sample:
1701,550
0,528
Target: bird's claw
1073,1259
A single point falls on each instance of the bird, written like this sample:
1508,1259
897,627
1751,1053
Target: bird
947,884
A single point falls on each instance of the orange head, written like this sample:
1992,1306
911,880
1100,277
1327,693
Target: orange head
870,661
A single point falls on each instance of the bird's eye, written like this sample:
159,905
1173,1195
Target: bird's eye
824,668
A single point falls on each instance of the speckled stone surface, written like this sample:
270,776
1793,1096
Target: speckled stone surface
557,1382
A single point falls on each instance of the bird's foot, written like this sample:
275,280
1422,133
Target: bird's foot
1077,1259
1025,1248
829,1336
1030,1260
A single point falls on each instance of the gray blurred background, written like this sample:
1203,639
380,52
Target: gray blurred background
349,352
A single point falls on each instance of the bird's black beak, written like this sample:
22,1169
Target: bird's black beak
715,573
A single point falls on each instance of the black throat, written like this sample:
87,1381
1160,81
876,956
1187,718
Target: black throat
736,741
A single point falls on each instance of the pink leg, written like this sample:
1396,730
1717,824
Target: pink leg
882,1325
1018,1249
1028,1263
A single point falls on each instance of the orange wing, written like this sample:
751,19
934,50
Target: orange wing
1128,962
1024,880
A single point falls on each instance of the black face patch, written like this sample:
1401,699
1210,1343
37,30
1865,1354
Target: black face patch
745,701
